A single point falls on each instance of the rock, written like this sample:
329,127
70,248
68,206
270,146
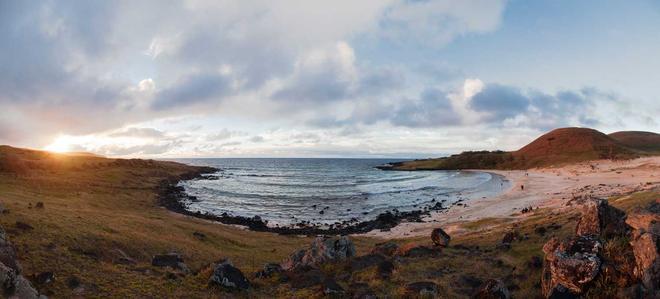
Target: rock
365,261
492,289
227,276
23,226
571,264
8,254
385,269
14,285
39,205
647,260
422,289
414,250
322,250
385,249
440,237
600,219
172,260
269,270
44,277
332,288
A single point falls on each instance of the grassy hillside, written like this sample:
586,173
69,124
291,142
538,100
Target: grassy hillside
642,141
560,146
95,206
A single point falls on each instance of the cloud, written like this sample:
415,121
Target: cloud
434,109
194,89
138,133
257,139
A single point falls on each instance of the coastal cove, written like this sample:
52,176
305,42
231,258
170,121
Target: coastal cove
323,196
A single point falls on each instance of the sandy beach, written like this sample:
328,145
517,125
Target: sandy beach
543,188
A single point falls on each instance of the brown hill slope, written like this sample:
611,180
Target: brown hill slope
559,146
569,145
639,140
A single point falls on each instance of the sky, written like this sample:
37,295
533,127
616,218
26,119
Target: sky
369,78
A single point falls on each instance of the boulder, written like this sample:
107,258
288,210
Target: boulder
600,219
385,249
492,289
14,285
423,289
229,277
571,265
172,260
440,237
645,243
269,270
8,254
322,250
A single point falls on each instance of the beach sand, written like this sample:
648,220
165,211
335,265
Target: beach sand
543,188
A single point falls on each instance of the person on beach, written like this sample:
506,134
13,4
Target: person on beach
522,187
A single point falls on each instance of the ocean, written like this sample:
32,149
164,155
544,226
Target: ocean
326,191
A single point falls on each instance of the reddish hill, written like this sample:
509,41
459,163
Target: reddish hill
639,140
567,145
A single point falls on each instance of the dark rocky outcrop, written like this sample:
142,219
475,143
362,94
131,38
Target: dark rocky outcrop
600,219
645,242
269,270
323,249
172,260
492,289
440,237
227,276
12,283
571,264
618,250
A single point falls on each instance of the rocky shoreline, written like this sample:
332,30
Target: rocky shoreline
173,197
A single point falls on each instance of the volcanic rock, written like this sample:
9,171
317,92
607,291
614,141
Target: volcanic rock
440,237
323,249
570,265
227,276
600,219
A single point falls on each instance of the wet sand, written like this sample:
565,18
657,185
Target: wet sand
544,187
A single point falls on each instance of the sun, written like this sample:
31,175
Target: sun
61,144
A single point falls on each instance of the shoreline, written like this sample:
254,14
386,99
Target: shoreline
174,198
544,188
551,187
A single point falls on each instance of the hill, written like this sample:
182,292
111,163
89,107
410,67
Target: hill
559,146
638,140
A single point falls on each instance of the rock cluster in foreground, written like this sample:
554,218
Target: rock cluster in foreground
12,283
612,254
